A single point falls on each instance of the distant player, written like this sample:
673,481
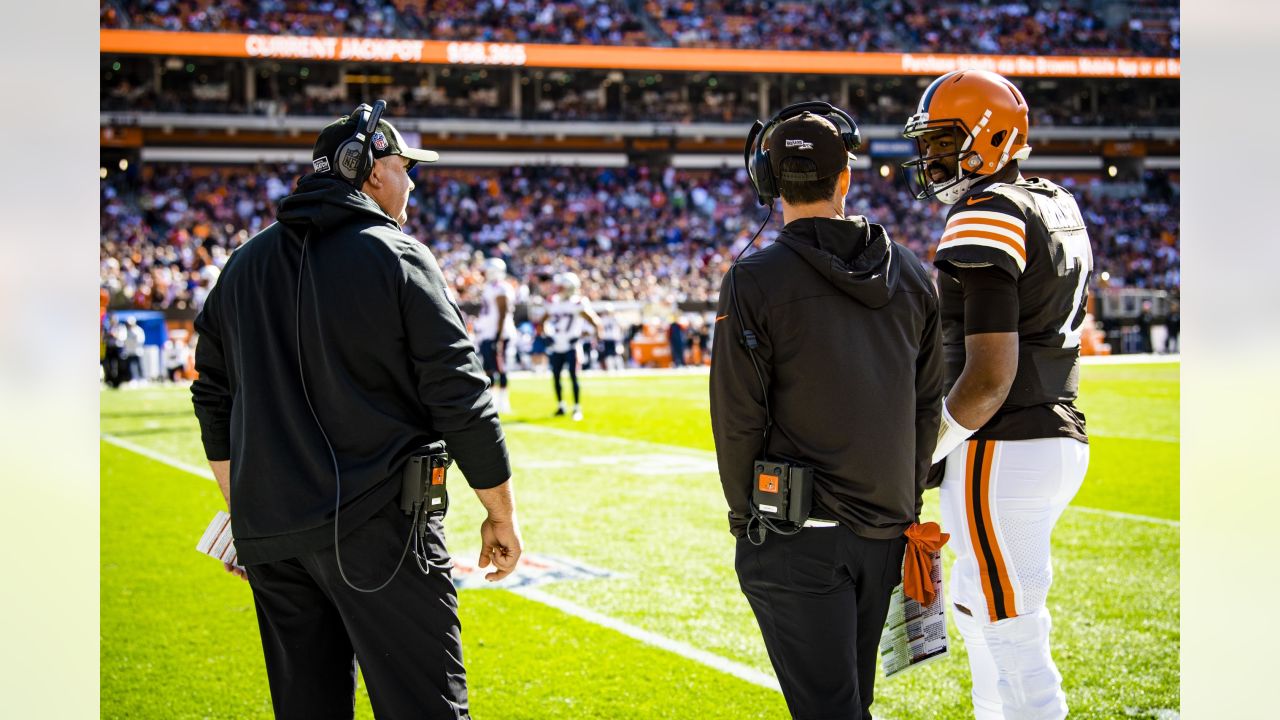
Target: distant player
1015,263
610,339
568,316
538,345
495,328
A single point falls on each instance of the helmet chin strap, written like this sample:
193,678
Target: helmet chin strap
952,194
957,187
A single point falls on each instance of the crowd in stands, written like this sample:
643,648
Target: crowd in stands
968,26
632,234
362,18
1014,28
1059,105
1136,241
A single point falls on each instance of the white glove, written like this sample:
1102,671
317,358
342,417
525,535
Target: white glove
950,435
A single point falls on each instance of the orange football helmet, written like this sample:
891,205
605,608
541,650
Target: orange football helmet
989,119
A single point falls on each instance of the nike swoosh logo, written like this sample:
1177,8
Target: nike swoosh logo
975,201
721,317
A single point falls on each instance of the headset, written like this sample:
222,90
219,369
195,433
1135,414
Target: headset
354,159
756,154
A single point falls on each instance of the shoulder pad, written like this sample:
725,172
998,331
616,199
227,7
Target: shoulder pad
985,222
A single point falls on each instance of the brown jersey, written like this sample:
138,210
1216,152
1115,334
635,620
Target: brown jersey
1033,230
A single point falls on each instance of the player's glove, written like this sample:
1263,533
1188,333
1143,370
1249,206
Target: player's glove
950,434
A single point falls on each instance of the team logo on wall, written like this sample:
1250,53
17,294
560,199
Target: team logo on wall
379,142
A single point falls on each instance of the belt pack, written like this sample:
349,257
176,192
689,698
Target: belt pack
782,491
422,483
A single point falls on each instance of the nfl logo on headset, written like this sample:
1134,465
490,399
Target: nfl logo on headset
379,142
350,158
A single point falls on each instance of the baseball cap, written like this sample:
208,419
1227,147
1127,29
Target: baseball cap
386,141
811,137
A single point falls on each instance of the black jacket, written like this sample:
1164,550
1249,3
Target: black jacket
389,368
847,323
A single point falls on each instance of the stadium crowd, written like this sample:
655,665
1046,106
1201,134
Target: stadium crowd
733,100
1006,26
1017,27
633,234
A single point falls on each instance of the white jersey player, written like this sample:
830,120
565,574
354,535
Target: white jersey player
496,328
568,317
610,339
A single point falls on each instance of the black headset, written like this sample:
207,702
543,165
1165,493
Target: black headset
756,155
354,159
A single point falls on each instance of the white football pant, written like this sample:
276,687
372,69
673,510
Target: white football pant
1000,501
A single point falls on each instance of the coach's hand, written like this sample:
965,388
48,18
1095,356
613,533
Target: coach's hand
235,570
500,545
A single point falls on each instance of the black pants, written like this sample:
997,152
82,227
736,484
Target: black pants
494,356
407,636
821,598
560,361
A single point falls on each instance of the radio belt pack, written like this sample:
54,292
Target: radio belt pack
422,484
782,491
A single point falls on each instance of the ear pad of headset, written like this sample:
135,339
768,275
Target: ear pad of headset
349,159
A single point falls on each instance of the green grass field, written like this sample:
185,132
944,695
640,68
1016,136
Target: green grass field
179,636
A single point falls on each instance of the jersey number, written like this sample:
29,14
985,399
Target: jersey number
1079,257
561,324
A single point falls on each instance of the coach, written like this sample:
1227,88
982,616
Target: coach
329,354
847,367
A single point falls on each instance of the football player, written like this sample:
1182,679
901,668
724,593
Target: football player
1014,261
567,317
610,340
495,328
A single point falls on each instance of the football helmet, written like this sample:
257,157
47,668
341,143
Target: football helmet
988,119
495,269
569,281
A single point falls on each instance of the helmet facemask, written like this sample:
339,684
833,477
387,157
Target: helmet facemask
945,173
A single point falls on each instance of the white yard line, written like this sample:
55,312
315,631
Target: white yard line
585,437
1126,516
1131,359
120,442
729,667
711,660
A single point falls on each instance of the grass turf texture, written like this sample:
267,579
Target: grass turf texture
179,637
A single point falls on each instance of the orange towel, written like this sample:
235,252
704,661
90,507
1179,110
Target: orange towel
922,541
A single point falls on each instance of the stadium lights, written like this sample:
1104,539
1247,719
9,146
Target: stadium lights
102,173
124,165
1112,171
884,171
1106,276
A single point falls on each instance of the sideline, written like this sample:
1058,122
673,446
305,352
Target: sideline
689,652
695,454
597,374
